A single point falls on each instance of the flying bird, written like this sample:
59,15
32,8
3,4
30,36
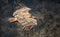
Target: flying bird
23,16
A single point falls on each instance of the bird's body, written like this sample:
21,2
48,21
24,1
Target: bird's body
25,18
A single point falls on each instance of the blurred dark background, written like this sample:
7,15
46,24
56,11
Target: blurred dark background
48,25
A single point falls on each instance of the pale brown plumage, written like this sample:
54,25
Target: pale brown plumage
23,16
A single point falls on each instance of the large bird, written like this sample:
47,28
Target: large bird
23,16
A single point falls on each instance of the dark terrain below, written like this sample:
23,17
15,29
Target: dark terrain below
46,11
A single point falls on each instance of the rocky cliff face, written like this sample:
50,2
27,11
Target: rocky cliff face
46,12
